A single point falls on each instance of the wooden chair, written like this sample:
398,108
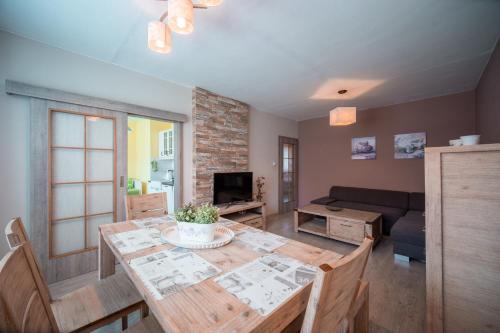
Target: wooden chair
147,205
23,307
339,299
84,309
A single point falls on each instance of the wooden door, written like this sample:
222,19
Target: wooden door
288,174
78,168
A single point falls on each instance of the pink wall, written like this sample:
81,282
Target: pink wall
488,101
325,152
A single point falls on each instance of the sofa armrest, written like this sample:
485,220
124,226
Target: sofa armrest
323,201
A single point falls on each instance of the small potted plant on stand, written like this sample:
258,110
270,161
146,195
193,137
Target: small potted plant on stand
197,224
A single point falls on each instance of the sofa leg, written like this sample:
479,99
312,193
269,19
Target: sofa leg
400,257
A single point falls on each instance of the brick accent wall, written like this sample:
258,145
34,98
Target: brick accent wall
220,140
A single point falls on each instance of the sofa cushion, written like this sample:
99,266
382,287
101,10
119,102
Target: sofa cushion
410,229
409,250
323,201
415,215
371,196
416,201
389,214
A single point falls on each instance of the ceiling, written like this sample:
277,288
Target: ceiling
286,57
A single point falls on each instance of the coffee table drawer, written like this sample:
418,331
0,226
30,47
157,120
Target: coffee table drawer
346,229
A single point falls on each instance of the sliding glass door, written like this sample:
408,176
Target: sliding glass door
82,177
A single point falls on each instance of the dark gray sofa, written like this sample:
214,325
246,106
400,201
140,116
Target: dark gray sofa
391,204
402,214
408,234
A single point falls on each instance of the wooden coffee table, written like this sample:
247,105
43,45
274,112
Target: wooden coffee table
347,225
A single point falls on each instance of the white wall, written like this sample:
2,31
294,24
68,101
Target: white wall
264,130
31,62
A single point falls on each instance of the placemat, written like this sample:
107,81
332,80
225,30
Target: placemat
152,221
259,240
267,282
169,271
135,240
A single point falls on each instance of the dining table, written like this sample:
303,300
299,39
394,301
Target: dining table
207,305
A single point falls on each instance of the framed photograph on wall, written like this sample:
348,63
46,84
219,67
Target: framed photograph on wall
363,148
409,145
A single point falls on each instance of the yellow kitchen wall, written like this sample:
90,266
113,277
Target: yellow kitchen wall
156,127
143,147
139,153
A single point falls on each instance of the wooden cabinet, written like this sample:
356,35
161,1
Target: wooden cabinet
462,187
347,230
166,144
250,213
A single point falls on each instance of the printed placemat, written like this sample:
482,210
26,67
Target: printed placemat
135,240
259,240
267,282
152,221
169,271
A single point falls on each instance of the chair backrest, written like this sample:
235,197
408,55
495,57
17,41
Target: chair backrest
16,235
22,305
146,205
334,290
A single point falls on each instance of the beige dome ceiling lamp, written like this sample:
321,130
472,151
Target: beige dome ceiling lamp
180,19
343,115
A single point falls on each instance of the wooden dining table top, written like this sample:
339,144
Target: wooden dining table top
206,306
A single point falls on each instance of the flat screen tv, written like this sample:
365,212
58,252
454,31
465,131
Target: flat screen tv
232,187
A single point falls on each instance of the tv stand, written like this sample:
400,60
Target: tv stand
252,213
234,203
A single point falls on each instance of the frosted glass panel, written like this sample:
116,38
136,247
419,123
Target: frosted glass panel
68,201
68,129
285,150
99,165
99,198
100,133
68,235
93,223
67,165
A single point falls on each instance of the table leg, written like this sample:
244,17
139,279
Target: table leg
106,258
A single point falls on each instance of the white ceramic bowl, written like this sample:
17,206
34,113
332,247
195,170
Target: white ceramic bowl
195,232
468,140
456,142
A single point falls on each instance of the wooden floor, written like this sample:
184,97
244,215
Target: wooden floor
397,289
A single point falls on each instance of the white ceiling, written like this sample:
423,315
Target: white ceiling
284,56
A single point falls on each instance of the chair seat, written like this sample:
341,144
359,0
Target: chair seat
146,325
102,301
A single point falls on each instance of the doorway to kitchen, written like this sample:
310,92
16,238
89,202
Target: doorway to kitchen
151,158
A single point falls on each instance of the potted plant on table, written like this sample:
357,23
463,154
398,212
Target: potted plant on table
197,224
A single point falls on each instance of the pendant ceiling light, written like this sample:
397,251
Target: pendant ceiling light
180,16
343,116
211,3
180,19
159,37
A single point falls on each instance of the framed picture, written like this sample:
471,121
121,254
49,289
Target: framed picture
363,148
409,145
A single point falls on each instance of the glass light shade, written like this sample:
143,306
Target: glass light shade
211,3
180,16
343,116
159,37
